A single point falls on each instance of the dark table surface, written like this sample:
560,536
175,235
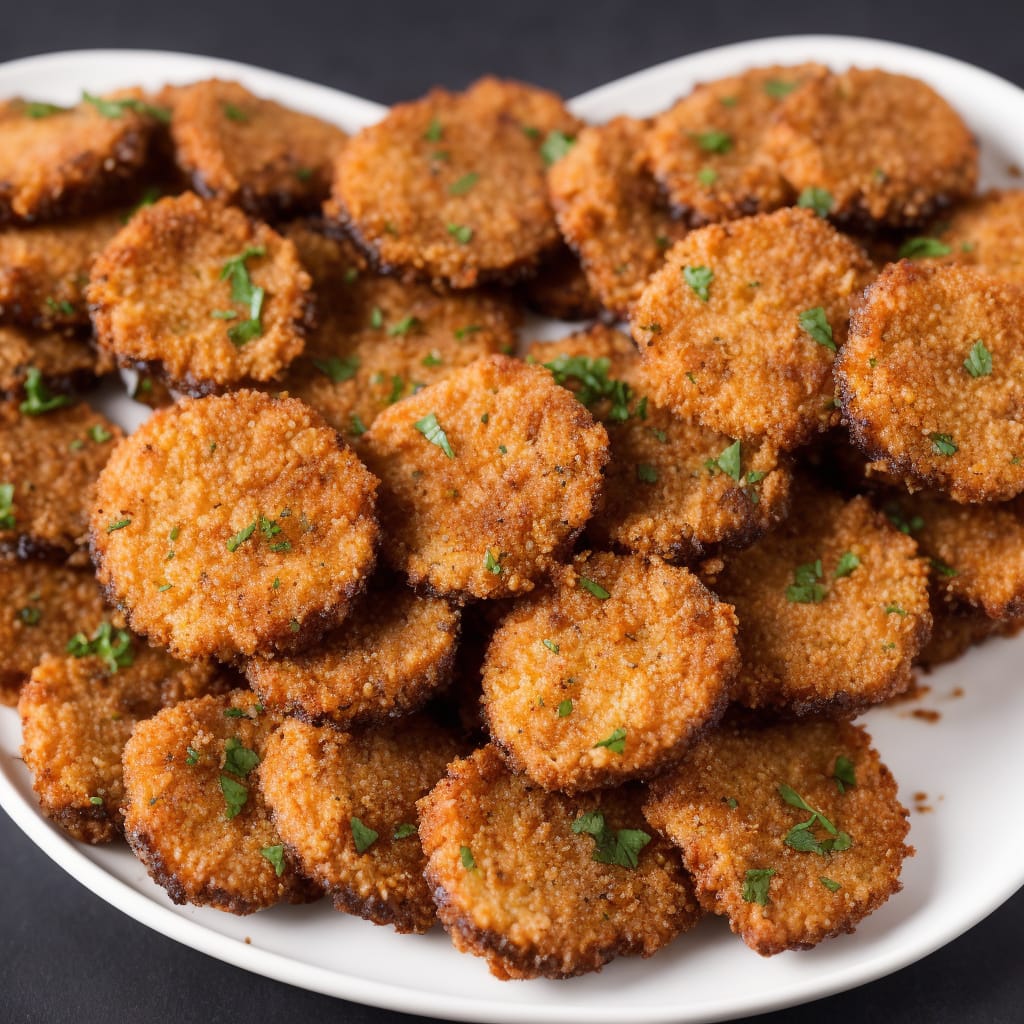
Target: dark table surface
67,956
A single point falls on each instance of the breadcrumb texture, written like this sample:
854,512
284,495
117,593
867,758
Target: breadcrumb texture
154,289
887,148
740,361
523,479
569,672
401,185
394,651
611,211
317,780
267,158
75,720
52,461
723,809
64,362
265,477
987,233
908,396
535,903
827,642
175,813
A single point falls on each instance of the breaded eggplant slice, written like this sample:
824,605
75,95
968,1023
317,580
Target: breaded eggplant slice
784,883
611,211
976,552
932,380
956,628
50,462
708,150
77,715
451,187
833,608
234,525
672,488
345,807
610,673
740,326
560,289
57,162
378,339
45,605
194,813
873,148
64,362
393,652
543,885
44,270
987,233
200,294
267,158
487,478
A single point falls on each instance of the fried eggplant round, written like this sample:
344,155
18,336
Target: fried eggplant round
987,233
57,361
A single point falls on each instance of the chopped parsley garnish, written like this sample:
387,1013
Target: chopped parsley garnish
404,831
376,318
595,384
492,564
731,802
777,88
233,113
942,568
462,233
848,561
397,387
239,760
755,885
434,132
555,146
699,279
844,773
801,838
594,588
817,199
894,608
942,444
912,248
235,796
64,307
464,184
707,176
114,647
404,326
37,109
338,368
979,360
7,519
191,757
275,854
149,197
466,857
235,542
816,324
829,884
432,431
807,587
362,835
611,846
245,292
729,462
118,524
565,708
96,801
551,646
99,434
432,359
358,427
713,141
29,616
464,332
38,399
114,109
616,742
908,526
646,473
304,173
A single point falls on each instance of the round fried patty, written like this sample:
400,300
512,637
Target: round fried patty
64,362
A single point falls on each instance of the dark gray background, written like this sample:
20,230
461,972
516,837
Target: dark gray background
64,954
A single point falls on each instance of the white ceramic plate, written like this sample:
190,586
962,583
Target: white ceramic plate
959,875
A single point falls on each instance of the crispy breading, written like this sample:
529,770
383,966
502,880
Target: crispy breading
269,159
165,296
234,525
609,674
522,478
77,715
64,362
957,627
560,289
665,492
52,461
885,149
611,211
186,770
740,326
451,187
326,787
515,884
708,150
987,233
394,651
378,339
60,163
932,379
45,605
723,808
833,608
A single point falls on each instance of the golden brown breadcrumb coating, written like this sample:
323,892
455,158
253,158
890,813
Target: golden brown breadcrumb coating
609,674
391,654
173,294
878,148
194,813
269,159
782,887
932,379
708,150
345,806
833,608
234,525
740,326
77,715
611,211
515,874
64,362
560,289
665,492
51,461
451,187
488,477
44,606
958,627
57,162
987,233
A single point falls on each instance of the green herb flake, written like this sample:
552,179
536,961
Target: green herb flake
712,141
113,109
756,883
565,708
362,835
707,176
38,110
38,399
358,427
304,173
464,184
731,802
646,473
434,132
7,517
29,615
979,360
778,88
235,542
274,854
729,462
848,561
616,742
915,248
807,587
466,857
943,444
191,757
551,646
338,368
829,884
492,564
432,431
96,801
462,233
404,831
611,846
943,568
113,646
893,608
699,279
405,326
591,374
817,199
118,524
815,323
594,588
432,359
99,434
844,774
239,760
235,796
236,272
63,307
555,146
236,114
